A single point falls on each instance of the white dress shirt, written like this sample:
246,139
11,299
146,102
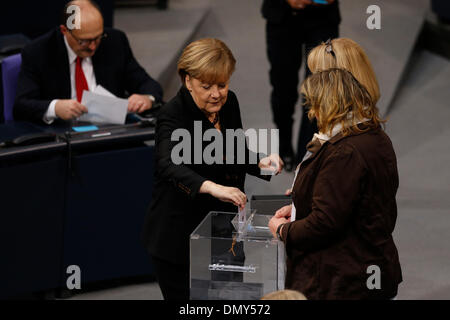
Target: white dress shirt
88,69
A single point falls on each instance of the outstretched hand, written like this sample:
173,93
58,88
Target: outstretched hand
271,164
224,193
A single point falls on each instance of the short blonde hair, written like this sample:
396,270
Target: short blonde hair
349,55
335,96
209,60
284,295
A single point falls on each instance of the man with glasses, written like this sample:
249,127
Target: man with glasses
59,66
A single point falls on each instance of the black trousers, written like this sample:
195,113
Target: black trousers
286,44
173,279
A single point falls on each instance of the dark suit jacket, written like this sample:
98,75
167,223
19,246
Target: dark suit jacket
45,73
344,195
177,208
276,11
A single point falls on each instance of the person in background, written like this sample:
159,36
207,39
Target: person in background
185,192
340,224
284,295
344,53
57,67
294,27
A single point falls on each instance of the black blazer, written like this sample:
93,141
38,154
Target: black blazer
45,73
276,11
177,208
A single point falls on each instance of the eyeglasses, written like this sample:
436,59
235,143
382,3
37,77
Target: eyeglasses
87,42
329,48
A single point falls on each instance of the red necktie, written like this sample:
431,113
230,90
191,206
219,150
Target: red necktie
80,80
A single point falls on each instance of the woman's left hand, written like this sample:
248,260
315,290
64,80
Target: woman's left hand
272,164
274,223
284,212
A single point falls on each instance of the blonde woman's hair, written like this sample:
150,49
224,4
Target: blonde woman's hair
284,295
335,96
208,60
344,53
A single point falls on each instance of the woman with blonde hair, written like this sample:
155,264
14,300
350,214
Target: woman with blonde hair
284,295
338,230
342,53
188,187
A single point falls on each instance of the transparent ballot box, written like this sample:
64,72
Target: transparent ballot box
235,257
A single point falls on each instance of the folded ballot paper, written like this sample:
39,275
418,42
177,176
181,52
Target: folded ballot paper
103,107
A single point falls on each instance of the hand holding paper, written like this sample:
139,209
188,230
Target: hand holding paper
139,103
104,107
67,109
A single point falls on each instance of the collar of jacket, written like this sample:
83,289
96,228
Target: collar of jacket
315,146
362,126
189,102
187,99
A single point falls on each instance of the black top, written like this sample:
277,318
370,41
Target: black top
177,208
277,11
45,73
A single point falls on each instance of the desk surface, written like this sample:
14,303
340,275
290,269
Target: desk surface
82,208
64,135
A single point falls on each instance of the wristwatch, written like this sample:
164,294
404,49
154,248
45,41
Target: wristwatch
278,231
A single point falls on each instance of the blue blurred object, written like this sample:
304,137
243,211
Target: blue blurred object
85,128
10,73
320,1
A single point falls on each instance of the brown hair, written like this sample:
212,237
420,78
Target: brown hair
209,60
334,96
346,54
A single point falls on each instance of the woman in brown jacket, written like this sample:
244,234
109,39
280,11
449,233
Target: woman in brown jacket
338,231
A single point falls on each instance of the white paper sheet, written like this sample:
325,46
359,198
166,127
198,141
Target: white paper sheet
104,107
100,90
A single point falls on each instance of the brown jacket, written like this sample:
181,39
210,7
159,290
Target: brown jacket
344,195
